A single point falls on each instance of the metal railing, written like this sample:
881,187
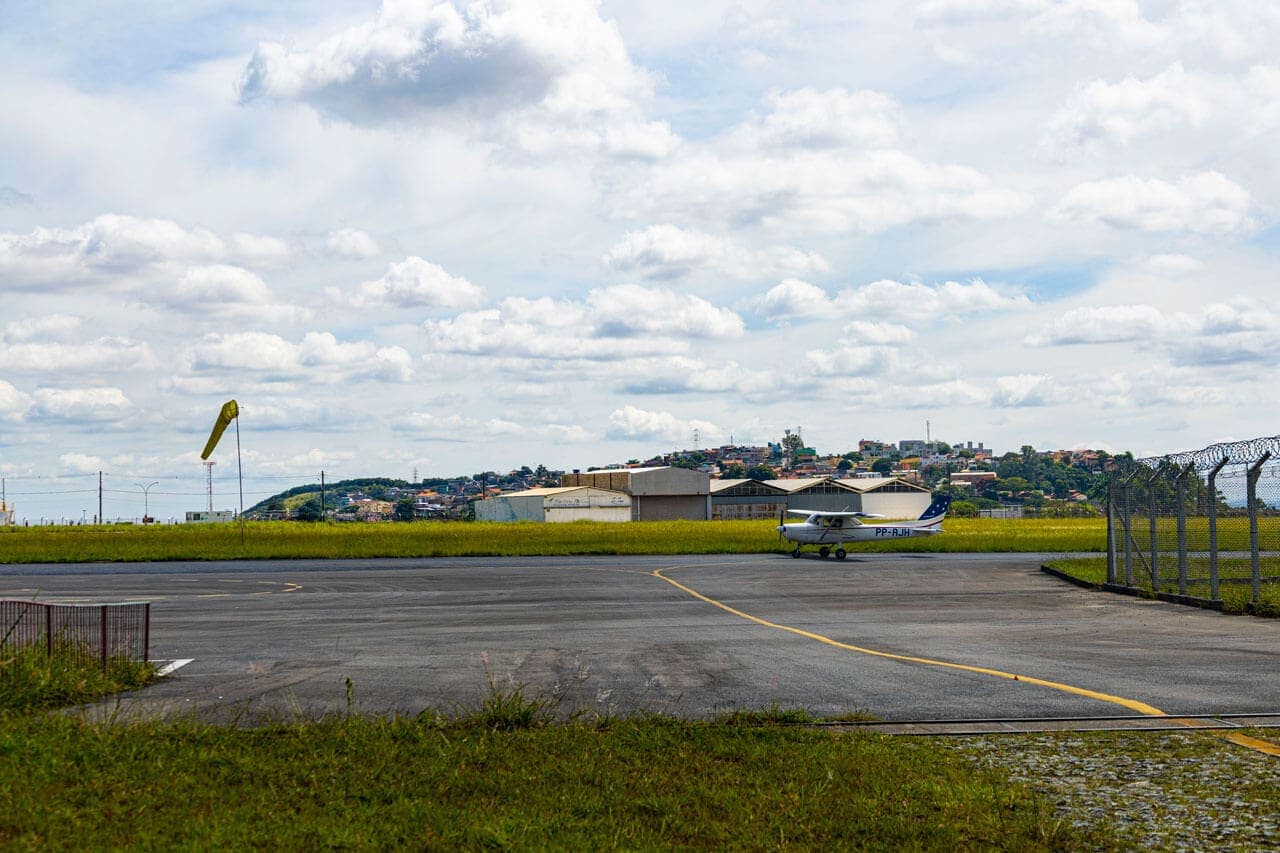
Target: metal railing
92,632
1200,524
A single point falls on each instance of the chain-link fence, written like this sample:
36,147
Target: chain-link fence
89,632
1203,524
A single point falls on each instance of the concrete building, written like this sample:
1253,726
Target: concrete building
206,517
892,497
569,503
732,500
887,496
661,493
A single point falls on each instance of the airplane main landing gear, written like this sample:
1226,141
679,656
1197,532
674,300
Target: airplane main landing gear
824,552
840,554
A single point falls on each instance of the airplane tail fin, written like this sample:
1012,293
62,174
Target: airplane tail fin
937,509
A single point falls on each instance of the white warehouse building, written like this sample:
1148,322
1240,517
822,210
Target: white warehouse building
567,503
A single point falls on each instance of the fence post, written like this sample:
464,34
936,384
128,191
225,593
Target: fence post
1181,484
146,633
48,630
1214,592
1252,493
1154,534
1128,531
1111,530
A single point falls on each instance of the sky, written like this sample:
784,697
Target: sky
447,237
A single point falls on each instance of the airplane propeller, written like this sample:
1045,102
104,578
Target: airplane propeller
782,519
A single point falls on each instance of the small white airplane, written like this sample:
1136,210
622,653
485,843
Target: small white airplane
827,529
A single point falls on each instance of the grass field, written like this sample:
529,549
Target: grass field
285,540
648,783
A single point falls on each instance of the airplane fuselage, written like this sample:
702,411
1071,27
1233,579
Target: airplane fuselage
810,533
828,530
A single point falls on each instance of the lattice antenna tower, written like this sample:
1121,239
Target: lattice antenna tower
208,482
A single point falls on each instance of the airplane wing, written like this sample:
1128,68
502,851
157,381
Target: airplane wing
822,513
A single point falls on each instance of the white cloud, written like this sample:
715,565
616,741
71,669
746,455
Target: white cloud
13,403
81,463
632,424
1103,112
544,74
1263,82
1219,333
956,392
56,326
1171,265
884,334
822,191
681,375
226,291
916,301
351,243
90,405
624,321
1205,203
1024,389
809,119
793,299
427,426
667,251
852,360
117,248
1103,324
320,356
258,250
100,356
415,283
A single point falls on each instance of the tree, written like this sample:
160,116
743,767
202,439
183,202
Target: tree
761,472
844,465
882,466
791,444
308,510
734,471
403,510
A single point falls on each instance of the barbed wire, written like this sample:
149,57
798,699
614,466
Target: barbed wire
1248,452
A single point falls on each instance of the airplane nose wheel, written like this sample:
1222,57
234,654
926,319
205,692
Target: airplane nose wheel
796,552
840,555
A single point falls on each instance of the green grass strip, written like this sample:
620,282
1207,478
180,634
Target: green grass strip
286,540
1235,591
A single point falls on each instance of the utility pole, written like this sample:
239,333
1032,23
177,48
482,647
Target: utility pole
98,520
322,495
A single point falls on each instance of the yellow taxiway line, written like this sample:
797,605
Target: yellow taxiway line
1132,704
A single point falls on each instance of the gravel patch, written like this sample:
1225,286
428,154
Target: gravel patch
1152,791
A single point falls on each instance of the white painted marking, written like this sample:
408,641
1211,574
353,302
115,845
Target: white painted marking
172,666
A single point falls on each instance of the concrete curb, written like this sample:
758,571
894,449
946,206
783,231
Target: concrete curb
1171,598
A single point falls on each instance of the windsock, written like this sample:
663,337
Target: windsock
230,411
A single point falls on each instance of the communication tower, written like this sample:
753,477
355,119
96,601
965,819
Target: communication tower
208,482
